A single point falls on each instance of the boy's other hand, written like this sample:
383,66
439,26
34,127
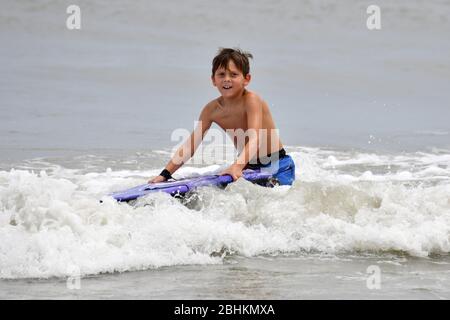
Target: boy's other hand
234,171
157,179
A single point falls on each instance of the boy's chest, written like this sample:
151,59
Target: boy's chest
231,119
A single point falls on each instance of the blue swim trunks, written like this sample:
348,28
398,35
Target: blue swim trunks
282,170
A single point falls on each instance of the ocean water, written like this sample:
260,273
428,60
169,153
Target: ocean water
364,114
347,212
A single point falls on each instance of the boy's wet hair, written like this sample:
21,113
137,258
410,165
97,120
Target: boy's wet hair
239,57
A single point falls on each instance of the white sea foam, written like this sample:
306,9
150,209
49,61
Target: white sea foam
51,220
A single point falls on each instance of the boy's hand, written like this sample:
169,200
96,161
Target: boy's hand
157,179
235,171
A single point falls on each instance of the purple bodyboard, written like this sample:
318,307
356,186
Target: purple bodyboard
183,186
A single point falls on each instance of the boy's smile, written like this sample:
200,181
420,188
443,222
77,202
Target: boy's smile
230,81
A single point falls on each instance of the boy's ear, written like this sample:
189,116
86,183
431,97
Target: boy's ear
247,78
212,80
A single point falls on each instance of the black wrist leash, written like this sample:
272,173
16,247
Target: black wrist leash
166,174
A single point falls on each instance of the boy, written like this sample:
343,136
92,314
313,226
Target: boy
244,116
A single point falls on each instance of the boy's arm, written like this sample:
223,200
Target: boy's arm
186,151
254,125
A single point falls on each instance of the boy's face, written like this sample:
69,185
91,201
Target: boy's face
230,82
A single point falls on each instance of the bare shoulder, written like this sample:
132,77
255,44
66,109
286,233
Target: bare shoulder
252,96
210,107
253,100
209,110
